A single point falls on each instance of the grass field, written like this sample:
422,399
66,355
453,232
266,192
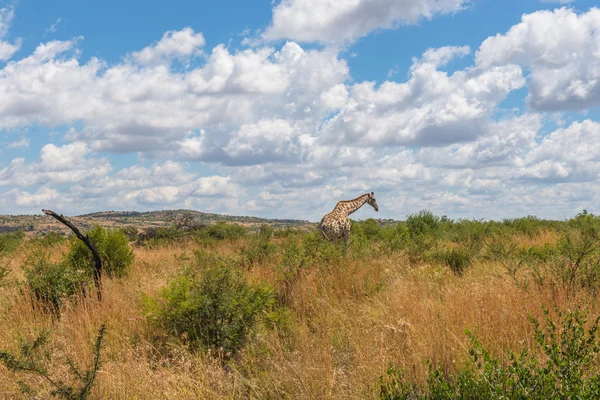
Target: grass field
321,321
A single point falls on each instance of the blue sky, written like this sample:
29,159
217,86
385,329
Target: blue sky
470,108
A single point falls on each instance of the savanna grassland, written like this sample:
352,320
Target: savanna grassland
426,308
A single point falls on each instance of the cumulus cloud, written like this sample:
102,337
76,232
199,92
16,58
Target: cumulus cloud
567,154
129,107
432,108
345,21
561,49
57,164
284,131
7,49
174,44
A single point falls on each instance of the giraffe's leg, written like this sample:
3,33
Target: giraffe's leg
346,236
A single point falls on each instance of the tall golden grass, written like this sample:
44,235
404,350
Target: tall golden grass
347,324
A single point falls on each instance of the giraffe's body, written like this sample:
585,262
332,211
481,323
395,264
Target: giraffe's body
336,224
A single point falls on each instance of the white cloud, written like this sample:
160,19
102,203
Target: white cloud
69,163
347,20
285,132
7,50
53,28
128,107
568,154
265,141
204,187
562,50
503,143
42,198
23,143
432,108
174,44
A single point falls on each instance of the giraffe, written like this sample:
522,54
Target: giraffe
336,224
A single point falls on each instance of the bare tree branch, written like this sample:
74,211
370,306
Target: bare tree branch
88,243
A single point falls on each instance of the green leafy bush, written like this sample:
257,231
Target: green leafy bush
113,247
214,307
156,237
131,232
457,259
369,228
53,283
221,231
258,248
396,238
422,223
563,372
10,241
424,230
470,234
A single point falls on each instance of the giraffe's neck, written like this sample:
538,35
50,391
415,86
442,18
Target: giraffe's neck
350,206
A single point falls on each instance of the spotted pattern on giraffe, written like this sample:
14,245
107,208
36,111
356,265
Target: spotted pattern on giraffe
336,224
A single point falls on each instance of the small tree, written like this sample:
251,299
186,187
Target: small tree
216,309
113,247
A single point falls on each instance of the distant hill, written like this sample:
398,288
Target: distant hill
40,224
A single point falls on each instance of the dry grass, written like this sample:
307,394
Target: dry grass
348,323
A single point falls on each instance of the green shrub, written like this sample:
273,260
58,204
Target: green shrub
49,239
294,259
369,228
424,230
577,264
258,248
52,284
113,247
215,308
396,238
470,234
221,231
457,259
131,232
422,223
34,360
10,241
156,237
563,372
529,225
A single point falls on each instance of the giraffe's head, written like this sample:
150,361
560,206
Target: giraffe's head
372,202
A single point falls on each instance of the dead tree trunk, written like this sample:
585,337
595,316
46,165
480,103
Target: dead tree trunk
88,243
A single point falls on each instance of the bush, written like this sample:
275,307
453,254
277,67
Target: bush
396,238
471,234
457,259
216,308
161,236
131,232
424,230
113,247
258,248
49,239
52,284
562,373
422,223
10,241
369,228
222,231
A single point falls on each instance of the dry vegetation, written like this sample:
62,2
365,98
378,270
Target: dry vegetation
398,296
